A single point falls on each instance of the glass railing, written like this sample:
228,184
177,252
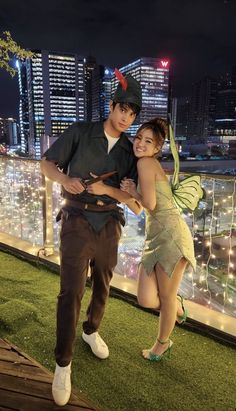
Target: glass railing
21,199
29,205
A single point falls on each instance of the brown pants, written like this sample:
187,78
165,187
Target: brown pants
81,245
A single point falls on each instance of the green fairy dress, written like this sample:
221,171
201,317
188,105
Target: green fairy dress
168,237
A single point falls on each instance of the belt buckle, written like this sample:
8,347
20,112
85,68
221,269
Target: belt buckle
100,203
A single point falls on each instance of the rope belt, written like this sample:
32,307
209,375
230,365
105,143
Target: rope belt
100,206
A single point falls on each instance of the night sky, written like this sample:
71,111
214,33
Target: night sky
198,36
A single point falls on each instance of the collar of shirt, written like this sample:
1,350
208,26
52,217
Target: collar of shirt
123,140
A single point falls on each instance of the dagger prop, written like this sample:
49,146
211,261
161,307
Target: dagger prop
86,183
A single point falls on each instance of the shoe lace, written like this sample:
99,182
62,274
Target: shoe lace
99,340
62,379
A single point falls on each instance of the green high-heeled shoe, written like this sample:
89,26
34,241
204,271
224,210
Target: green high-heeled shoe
156,357
182,318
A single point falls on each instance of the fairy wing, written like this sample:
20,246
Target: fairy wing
188,192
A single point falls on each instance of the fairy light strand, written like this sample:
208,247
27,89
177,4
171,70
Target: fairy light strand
230,264
209,243
193,231
21,205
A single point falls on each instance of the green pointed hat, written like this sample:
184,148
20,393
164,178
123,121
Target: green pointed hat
128,90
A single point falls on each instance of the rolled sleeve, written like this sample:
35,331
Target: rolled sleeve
62,149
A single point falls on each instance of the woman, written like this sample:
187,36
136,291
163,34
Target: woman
168,247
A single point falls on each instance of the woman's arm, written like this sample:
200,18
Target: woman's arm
100,188
147,179
125,198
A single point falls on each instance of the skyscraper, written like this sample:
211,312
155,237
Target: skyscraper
225,117
182,118
90,66
101,92
52,96
153,75
202,110
9,132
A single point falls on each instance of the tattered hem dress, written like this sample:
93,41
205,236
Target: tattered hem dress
168,237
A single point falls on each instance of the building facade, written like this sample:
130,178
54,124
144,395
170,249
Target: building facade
101,92
225,116
9,132
52,96
90,66
202,106
182,118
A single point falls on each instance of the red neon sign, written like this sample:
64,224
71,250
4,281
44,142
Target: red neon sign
164,63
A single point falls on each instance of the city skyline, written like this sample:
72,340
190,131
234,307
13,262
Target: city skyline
198,39
57,90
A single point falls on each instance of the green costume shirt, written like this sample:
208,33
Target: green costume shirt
81,150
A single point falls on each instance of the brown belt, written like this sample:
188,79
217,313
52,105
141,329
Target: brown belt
100,206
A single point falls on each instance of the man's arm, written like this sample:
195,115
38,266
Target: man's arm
100,188
51,171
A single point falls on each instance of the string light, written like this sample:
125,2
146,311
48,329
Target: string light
230,264
209,242
21,201
213,233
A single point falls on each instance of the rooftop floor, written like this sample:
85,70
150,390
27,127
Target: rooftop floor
26,385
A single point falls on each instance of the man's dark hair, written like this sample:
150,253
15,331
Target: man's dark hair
132,106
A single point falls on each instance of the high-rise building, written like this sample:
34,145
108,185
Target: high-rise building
90,66
9,132
182,118
153,75
52,96
225,116
173,113
101,92
202,110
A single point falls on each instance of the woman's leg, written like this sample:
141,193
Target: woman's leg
168,288
147,293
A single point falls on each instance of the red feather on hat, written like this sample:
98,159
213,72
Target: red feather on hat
122,79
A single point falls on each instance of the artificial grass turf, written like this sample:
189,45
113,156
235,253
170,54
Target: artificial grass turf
200,374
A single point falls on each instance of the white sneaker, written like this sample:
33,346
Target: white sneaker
61,386
98,346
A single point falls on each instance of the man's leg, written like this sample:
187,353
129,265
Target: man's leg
101,273
76,249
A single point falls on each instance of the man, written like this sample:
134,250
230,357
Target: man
90,229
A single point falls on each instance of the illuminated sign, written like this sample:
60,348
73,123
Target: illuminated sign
164,63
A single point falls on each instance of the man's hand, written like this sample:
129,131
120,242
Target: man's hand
73,185
98,188
51,171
